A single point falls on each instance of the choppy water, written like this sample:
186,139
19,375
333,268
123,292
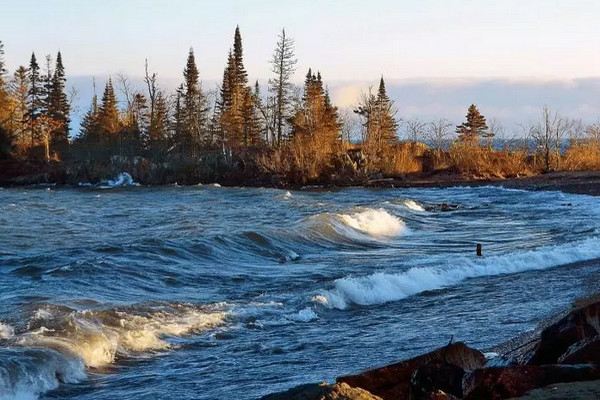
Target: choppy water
220,293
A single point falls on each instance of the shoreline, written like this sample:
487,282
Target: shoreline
559,359
576,182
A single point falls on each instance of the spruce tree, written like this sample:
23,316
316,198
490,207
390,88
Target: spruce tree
89,131
58,104
194,107
283,65
473,128
108,114
19,90
5,111
388,125
34,97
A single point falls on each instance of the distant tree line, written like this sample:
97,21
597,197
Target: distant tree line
292,131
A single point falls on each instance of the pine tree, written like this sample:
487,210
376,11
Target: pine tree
379,120
58,104
160,125
4,95
194,109
34,97
89,131
388,125
473,128
108,114
283,65
233,96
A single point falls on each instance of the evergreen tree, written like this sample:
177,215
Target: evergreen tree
160,125
195,108
473,128
58,104
317,119
34,97
89,131
233,96
379,120
283,65
108,114
4,94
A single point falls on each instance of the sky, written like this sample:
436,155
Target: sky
492,50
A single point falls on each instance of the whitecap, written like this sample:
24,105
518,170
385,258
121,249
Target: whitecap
413,205
374,222
305,315
383,287
6,331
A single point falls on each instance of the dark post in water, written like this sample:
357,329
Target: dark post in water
479,249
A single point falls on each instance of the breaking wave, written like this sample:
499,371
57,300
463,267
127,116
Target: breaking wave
384,287
364,224
413,205
60,342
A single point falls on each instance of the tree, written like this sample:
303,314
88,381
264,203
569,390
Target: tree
283,65
233,94
438,133
58,103
379,121
473,128
108,114
548,135
34,97
19,91
194,110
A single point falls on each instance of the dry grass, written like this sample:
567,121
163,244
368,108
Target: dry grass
582,156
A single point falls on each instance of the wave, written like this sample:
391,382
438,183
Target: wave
123,180
385,287
28,373
6,331
355,227
413,205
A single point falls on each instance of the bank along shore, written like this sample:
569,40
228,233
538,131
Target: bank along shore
22,173
559,360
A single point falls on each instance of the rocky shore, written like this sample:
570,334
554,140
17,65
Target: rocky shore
20,173
561,361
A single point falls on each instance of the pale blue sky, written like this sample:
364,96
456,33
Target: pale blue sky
510,57
346,40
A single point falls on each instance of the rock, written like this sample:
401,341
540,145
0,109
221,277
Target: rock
438,395
516,380
434,376
322,391
586,351
555,340
393,381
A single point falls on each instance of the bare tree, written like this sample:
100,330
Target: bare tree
416,130
548,135
283,65
438,133
350,125
495,130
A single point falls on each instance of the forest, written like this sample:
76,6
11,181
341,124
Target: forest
241,133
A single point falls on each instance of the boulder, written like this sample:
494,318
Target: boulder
393,381
322,391
516,380
581,323
586,351
434,376
438,395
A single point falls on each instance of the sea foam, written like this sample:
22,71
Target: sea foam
374,222
413,205
383,287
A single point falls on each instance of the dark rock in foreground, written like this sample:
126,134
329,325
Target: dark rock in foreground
580,324
516,380
393,381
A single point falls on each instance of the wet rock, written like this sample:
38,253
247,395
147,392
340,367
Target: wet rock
393,381
444,207
555,340
586,351
434,376
516,380
322,391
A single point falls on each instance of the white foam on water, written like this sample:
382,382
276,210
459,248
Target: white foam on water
98,337
287,195
6,331
374,222
305,315
383,287
124,179
216,185
413,205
